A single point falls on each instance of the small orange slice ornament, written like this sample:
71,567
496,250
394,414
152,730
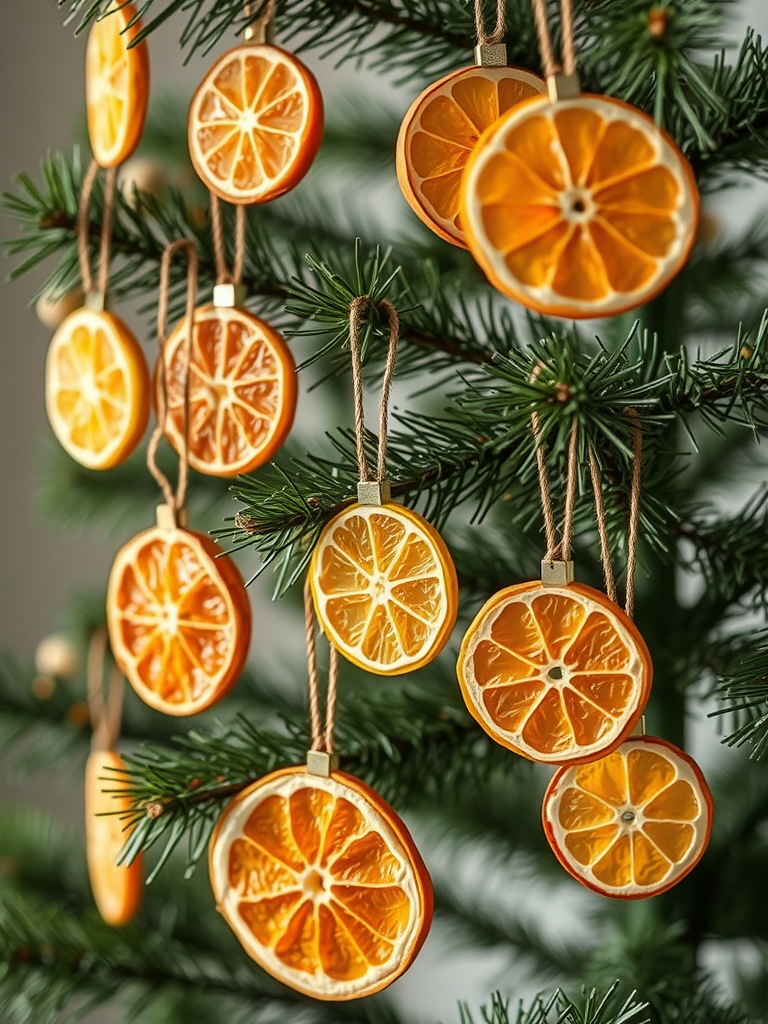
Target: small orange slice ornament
179,617
255,124
116,887
632,824
321,882
383,582
577,205
557,674
96,388
116,84
242,390
442,127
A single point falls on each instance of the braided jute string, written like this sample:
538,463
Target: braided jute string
83,226
223,275
105,712
548,62
321,740
492,38
634,518
176,501
356,310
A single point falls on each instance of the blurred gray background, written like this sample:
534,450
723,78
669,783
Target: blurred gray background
41,80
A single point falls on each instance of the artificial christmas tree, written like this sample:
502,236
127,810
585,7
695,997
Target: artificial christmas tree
635,425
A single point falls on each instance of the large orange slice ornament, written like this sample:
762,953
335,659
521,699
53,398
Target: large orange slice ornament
242,390
96,388
321,883
179,618
440,130
116,85
384,587
580,207
558,674
116,887
255,124
632,824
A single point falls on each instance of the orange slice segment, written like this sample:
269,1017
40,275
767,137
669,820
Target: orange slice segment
255,124
441,129
632,824
321,883
242,391
179,619
384,587
96,388
557,674
579,208
116,887
116,86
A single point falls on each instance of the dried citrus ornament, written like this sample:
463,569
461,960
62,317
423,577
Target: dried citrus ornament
383,581
632,824
178,613
116,887
96,377
578,205
256,121
242,377
321,883
179,618
96,388
557,674
116,85
555,670
442,127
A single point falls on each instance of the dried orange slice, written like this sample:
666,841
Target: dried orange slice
632,824
579,208
242,391
116,86
255,124
441,129
557,674
96,388
384,587
116,887
321,883
179,619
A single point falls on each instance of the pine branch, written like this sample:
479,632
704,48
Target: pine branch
744,692
411,743
592,1007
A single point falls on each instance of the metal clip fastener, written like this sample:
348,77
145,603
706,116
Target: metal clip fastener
639,729
563,87
556,574
491,55
96,302
374,492
320,762
228,295
168,519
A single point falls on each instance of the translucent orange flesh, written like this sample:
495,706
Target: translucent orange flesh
96,390
116,888
450,124
643,783
242,394
580,205
554,673
382,581
318,885
250,121
175,623
117,86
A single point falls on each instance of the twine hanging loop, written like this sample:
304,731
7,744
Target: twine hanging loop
95,295
562,77
174,501
372,490
105,710
321,759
